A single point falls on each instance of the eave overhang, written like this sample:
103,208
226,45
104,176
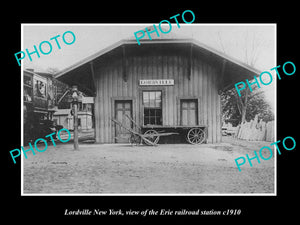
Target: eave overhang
231,72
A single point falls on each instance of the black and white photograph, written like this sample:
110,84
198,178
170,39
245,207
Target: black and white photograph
146,112
180,109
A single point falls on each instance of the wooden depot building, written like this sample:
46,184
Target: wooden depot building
164,83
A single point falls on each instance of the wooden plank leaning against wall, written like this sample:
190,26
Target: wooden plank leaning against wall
202,84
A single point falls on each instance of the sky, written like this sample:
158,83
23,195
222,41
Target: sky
244,42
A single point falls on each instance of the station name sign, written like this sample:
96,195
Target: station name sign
156,82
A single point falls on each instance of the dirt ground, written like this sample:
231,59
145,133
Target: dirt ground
166,169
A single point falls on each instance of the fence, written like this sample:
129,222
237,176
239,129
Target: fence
256,130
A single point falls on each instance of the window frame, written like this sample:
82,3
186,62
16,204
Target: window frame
196,109
143,105
199,103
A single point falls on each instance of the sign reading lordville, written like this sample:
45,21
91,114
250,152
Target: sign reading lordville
157,82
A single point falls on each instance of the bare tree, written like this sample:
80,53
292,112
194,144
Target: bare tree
251,48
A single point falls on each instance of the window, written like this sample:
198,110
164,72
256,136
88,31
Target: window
27,94
27,81
152,107
39,88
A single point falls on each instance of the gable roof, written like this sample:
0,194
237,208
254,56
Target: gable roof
234,71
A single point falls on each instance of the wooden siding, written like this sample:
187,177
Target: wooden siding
202,85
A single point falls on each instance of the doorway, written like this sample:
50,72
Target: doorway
189,112
122,108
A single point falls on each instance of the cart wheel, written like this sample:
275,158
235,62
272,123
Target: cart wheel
153,139
196,136
134,139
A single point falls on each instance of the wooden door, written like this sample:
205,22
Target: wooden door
123,107
189,112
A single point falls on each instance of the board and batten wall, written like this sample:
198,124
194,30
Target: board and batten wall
202,85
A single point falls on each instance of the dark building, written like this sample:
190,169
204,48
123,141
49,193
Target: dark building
45,99
162,84
38,104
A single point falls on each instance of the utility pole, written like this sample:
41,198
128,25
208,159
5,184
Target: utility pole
75,115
